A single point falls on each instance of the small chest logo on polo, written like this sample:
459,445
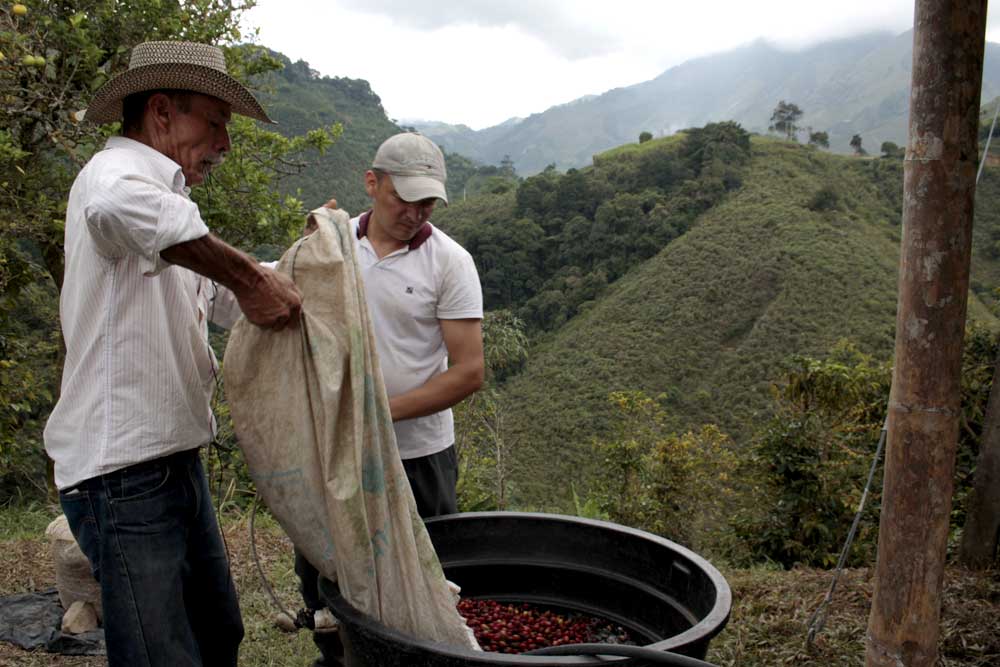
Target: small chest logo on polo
409,290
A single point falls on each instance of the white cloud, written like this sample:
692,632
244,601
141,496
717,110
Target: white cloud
479,62
557,24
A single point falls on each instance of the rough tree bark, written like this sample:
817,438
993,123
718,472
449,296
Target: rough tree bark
981,533
938,190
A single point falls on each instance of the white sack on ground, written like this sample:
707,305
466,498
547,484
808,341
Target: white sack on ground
74,578
311,413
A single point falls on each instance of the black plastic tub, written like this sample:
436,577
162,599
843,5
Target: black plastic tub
666,596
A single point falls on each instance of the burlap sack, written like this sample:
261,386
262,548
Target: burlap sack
74,579
311,413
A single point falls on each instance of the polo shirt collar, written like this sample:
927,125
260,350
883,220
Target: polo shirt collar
418,239
168,170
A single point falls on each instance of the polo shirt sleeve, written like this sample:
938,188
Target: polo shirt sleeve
461,293
133,214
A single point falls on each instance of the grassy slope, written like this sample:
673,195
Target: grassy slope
767,627
710,319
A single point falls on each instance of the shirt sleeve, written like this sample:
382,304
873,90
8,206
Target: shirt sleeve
461,293
221,305
133,214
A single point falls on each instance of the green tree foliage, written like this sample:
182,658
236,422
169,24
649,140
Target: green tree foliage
680,486
29,351
783,119
825,199
856,145
483,448
891,151
43,144
571,235
301,100
467,178
814,455
711,318
810,461
507,166
820,139
645,136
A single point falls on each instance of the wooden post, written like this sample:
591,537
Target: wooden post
938,189
981,532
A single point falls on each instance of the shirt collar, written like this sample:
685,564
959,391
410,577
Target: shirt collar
418,239
166,169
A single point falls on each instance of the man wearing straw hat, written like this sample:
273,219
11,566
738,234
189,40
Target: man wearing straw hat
143,277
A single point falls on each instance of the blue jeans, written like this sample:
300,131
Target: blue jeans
154,546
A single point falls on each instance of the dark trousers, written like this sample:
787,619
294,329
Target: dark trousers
154,546
433,480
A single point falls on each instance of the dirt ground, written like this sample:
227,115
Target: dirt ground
768,625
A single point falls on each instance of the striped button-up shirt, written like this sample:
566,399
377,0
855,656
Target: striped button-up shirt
139,373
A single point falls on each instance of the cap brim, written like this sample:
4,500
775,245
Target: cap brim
417,188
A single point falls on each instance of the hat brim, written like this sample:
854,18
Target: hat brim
418,188
106,106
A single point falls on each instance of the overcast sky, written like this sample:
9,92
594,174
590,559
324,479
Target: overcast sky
480,62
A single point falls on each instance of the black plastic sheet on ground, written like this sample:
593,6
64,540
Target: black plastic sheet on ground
33,620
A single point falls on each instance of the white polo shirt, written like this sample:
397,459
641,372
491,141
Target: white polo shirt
408,291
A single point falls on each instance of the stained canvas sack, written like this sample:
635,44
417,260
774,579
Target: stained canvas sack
311,413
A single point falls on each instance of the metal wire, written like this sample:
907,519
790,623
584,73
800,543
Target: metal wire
986,151
818,619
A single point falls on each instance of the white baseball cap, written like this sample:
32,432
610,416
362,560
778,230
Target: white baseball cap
415,164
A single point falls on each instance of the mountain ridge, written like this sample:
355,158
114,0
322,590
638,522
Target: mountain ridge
856,85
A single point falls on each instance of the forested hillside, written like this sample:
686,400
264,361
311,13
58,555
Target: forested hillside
695,286
299,99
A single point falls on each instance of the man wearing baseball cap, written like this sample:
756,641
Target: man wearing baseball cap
426,305
143,277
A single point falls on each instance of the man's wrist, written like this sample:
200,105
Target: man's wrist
246,277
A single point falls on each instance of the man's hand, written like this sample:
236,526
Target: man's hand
311,224
274,302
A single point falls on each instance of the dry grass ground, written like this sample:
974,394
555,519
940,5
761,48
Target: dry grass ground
772,609
767,628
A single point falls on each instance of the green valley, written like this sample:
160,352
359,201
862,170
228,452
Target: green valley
803,253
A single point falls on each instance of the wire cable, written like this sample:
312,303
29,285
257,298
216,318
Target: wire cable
818,619
986,151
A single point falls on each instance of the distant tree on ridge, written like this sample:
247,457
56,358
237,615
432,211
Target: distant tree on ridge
891,150
821,139
856,145
784,118
645,136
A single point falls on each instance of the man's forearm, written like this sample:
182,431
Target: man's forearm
439,393
267,298
217,260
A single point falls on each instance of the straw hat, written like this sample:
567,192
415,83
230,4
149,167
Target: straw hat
200,68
